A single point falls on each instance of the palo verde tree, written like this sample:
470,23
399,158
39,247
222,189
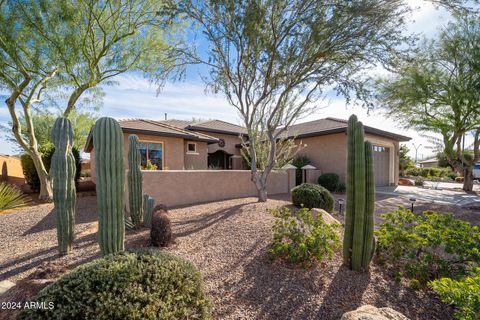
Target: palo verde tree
71,47
438,91
273,59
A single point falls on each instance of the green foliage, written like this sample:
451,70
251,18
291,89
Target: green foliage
310,196
63,180
301,237
419,181
428,172
464,294
11,197
459,179
130,285
331,181
405,162
300,161
358,241
150,166
428,246
47,151
110,179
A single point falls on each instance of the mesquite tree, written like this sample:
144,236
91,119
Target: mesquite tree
439,91
273,59
70,47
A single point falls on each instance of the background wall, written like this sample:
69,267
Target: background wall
12,170
184,187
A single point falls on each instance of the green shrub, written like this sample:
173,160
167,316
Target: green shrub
464,294
47,151
428,246
300,237
10,197
419,181
341,187
299,162
310,196
148,284
452,175
428,172
331,181
459,179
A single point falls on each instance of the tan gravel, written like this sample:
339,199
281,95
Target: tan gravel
227,241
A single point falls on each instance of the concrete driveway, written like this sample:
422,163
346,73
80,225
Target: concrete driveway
441,195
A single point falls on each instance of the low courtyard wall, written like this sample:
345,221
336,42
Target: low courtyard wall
184,187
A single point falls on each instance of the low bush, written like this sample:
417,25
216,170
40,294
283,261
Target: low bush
459,179
11,197
310,196
330,181
301,237
428,246
419,181
30,173
428,172
464,294
148,284
452,175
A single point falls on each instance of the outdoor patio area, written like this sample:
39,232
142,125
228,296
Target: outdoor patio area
227,241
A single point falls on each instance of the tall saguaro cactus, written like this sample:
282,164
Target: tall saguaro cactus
109,167
63,174
358,242
135,182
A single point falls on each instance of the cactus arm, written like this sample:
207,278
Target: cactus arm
63,177
368,241
149,204
109,166
359,220
135,182
350,188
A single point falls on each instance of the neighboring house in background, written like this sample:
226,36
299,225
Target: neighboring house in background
216,144
12,171
428,163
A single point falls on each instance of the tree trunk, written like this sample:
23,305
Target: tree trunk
467,178
260,185
46,191
262,195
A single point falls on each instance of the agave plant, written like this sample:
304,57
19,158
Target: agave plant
10,197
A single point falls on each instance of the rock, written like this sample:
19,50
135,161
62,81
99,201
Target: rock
327,217
5,285
405,182
368,312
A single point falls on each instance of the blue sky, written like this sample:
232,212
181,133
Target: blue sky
136,97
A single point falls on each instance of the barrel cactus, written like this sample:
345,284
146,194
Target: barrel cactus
358,242
62,171
148,205
135,182
110,171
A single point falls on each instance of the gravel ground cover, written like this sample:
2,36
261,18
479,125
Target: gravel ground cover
227,241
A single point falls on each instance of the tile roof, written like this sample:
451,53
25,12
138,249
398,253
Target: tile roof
334,125
217,126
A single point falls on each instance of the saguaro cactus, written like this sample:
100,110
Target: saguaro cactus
148,205
63,173
358,242
110,171
135,198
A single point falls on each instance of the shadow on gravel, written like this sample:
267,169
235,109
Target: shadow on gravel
199,223
82,215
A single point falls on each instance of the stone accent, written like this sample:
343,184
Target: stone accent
369,312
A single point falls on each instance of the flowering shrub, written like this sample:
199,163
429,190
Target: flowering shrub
302,237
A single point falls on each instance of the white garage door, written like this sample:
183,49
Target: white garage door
381,165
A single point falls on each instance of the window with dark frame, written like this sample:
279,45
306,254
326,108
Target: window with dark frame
152,152
191,147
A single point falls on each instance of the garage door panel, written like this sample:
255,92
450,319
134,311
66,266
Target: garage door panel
381,165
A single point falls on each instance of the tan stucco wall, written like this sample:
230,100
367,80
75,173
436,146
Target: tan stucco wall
197,160
184,187
230,142
12,171
329,153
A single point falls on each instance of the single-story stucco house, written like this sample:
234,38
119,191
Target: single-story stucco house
428,163
215,144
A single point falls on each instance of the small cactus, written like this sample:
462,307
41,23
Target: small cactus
62,171
358,242
134,182
148,205
110,172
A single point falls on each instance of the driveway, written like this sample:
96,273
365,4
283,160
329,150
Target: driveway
441,195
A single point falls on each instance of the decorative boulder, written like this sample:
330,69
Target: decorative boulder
368,312
327,217
161,229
